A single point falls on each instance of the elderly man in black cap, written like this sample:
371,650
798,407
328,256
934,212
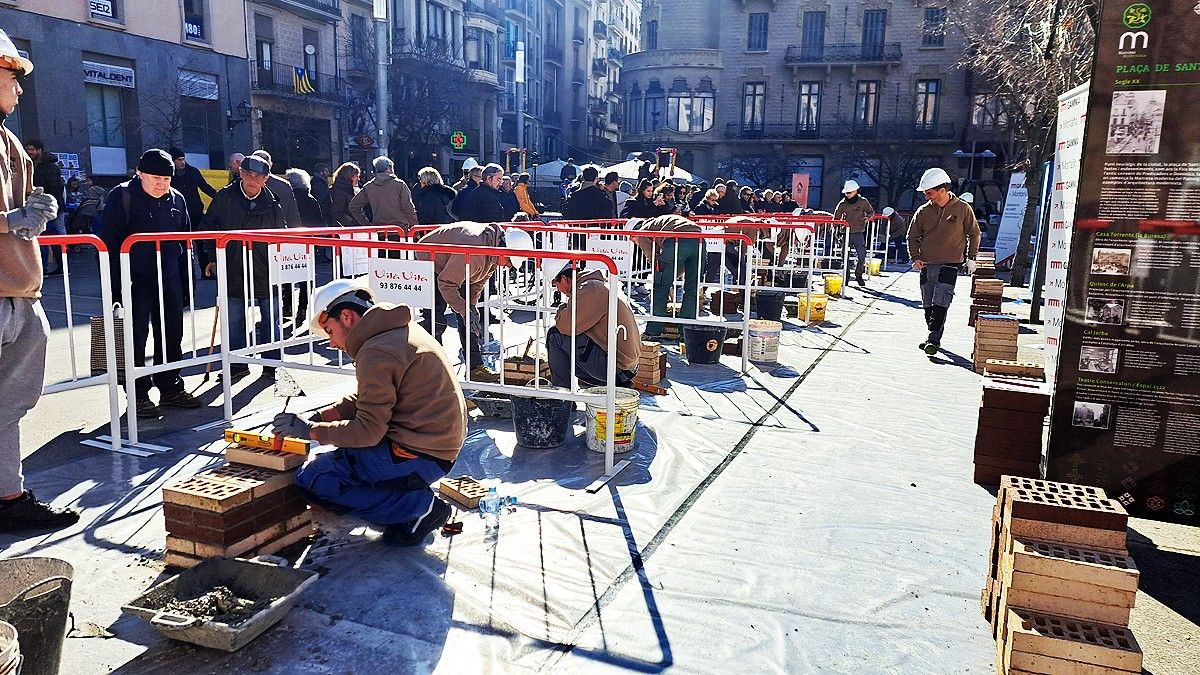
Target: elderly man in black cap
148,203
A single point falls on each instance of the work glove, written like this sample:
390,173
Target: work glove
292,426
30,220
971,265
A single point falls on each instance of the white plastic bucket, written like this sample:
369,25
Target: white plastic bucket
764,340
10,650
624,424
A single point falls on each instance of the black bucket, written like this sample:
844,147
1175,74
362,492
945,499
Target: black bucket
542,422
704,343
768,305
35,596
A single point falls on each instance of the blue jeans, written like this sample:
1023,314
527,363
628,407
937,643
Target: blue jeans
269,329
373,484
56,226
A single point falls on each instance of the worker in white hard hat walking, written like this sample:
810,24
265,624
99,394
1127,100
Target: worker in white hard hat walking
856,211
398,433
942,236
897,234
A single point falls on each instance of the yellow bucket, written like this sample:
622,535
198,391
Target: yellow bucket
624,422
833,284
818,303
875,266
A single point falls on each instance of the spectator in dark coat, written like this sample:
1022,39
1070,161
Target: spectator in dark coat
320,192
646,204
508,198
345,186
282,191
483,204
47,174
731,203
432,198
463,201
310,209
591,201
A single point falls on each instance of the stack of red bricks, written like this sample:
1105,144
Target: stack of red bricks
1008,440
1061,583
240,509
986,297
652,366
985,265
995,338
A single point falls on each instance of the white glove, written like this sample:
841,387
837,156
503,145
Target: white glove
42,203
971,265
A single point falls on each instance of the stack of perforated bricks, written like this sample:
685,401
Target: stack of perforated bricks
985,265
1008,440
1061,583
245,508
995,338
652,367
986,297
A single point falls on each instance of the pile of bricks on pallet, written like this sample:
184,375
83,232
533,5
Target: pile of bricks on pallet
1061,583
995,338
986,297
652,366
1008,440
245,508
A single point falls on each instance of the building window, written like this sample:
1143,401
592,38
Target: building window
808,108
689,112
264,39
866,104
635,112
756,32
935,27
435,24
194,25
813,36
104,115
874,31
988,112
512,35
359,35
652,35
927,104
754,104
312,41
489,51
107,10
655,104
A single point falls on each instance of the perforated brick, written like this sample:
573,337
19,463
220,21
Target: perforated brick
1071,535
1074,608
1021,662
1022,395
1071,640
261,481
1069,588
1067,504
205,493
1061,561
276,460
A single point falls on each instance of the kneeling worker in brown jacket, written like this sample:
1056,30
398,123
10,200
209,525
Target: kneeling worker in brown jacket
401,430
585,316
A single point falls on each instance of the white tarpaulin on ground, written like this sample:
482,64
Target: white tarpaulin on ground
1010,223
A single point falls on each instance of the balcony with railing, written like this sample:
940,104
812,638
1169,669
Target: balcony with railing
488,9
517,7
616,55
281,79
866,53
577,76
554,52
599,30
321,10
579,34
891,132
599,67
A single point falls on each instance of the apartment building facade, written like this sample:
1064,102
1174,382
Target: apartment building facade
760,90
113,77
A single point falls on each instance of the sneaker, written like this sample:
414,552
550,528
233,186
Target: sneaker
235,374
269,372
482,374
147,410
27,513
180,399
862,283
414,531
931,348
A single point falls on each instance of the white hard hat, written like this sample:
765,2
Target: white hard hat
850,186
967,197
470,164
338,290
517,238
933,178
11,58
888,211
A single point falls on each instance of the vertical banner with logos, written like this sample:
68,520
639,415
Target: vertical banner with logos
800,183
1068,149
1011,220
1126,412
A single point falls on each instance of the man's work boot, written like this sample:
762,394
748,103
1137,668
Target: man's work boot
27,513
414,531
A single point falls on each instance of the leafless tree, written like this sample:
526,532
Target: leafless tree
429,88
1028,52
894,167
760,169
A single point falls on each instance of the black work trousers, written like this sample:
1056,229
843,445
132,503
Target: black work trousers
145,316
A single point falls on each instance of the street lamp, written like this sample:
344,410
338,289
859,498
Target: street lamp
380,14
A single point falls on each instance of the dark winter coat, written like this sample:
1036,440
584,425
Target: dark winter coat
320,192
339,204
482,205
510,203
47,174
232,210
590,202
146,214
287,201
433,203
462,203
730,204
190,183
703,209
310,209
638,207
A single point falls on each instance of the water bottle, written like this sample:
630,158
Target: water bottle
489,509
490,351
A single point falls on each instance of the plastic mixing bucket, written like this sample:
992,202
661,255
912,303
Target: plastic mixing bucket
541,422
624,422
833,284
35,595
764,340
704,343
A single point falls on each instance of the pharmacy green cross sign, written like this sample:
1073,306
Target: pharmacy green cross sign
458,140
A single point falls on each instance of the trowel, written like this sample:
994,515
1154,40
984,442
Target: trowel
285,387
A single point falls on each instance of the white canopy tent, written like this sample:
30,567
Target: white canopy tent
628,170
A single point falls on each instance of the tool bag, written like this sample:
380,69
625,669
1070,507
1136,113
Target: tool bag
99,361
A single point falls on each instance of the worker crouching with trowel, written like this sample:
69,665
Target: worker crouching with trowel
401,430
585,316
